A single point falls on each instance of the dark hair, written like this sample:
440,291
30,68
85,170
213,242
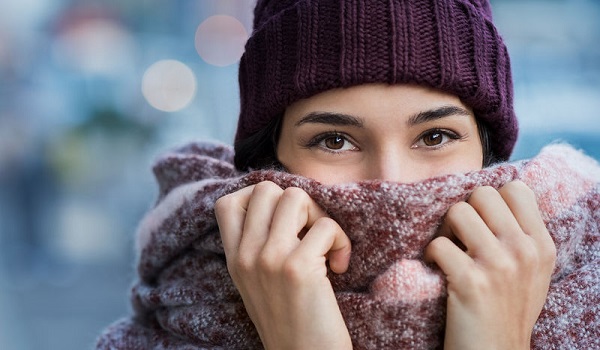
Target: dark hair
489,157
259,150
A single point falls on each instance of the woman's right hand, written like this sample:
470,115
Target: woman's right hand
276,244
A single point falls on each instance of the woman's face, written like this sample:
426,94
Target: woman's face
401,133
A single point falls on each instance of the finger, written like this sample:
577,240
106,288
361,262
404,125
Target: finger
230,212
492,208
448,256
462,222
326,239
261,207
521,201
295,211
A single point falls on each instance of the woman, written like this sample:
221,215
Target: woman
400,133
368,124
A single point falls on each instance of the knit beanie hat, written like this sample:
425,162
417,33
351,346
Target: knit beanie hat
300,48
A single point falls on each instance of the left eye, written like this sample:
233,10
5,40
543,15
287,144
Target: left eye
435,138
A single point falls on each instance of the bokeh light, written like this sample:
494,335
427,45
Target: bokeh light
169,85
220,40
96,46
77,138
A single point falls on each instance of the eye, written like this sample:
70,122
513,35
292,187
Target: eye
336,142
332,142
435,138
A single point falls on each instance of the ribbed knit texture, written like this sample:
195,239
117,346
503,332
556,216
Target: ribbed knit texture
302,47
184,298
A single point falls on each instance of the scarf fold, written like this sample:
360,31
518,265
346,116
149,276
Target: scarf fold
184,298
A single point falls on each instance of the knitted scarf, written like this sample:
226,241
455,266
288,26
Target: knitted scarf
184,298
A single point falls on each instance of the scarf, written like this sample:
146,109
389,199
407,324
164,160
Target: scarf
183,297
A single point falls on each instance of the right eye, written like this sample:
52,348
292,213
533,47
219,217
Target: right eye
336,142
333,142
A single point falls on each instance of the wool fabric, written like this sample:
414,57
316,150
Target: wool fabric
184,297
299,48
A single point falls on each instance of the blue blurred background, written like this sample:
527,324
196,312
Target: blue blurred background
91,91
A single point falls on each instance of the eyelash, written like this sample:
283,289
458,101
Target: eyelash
318,139
453,136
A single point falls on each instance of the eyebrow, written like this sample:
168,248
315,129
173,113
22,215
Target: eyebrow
331,118
435,114
340,119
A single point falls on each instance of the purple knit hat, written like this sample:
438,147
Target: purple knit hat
300,48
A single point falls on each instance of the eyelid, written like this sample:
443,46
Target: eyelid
453,135
317,139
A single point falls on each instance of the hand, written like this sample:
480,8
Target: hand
276,244
497,287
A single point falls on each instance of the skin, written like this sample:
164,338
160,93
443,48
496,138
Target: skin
391,142
498,275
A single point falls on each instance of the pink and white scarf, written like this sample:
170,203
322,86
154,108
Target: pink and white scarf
184,298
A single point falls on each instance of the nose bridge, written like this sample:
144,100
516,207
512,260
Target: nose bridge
390,164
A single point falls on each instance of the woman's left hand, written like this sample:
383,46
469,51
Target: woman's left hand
499,274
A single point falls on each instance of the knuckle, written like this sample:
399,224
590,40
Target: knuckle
267,262
546,249
527,255
231,268
326,224
436,246
225,202
458,209
474,283
549,252
241,265
483,193
295,193
506,266
517,187
293,270
266,188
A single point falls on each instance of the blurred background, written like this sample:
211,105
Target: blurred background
91,91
